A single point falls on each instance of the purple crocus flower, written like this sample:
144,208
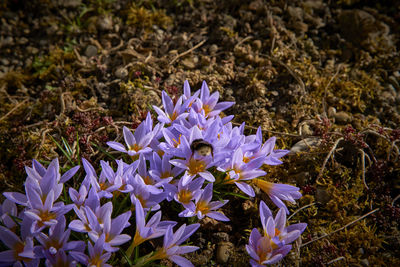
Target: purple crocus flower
171,112
21,249
113,228
108,181
138,143
274,244
44,214
7,210
238,170
172,141
99,222
161,170
276,228
187,92
78,197
143,177
97,255
194,164
149,196
43,180
279,192
171,248
38,171
272,156
57,240
152,229
91,209
262,251
204,207
60,258
188,192
209,103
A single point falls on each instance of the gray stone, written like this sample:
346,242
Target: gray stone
224,251
91,51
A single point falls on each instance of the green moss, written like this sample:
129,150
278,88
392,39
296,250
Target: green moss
142,17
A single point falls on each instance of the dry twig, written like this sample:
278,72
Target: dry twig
341,228
188,51
327,157
363,168
336,260
302,208
13,109
326,90
268,131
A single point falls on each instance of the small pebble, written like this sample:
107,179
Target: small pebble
90,51
331,112
364,262
213,49
224,251
121,73
305,144
322,196
257,44
342,117
8,41
104,23
188,63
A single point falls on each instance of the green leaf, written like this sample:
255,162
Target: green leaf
62,150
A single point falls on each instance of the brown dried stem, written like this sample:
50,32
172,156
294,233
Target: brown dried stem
341,228
187,52
328,156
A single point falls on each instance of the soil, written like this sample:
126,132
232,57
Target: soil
321,76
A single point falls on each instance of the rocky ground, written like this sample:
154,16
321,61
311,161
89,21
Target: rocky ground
321,76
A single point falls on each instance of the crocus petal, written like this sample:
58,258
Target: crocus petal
181,261
7,256
208,176
9,238
217,216
117,146
246,188
17,198
68,174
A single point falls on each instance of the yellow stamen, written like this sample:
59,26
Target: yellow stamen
184,196
196,166
165,175
103,186
246,159
135,147
147,180
203,207
46,216
263,185
207,109
177,143
173,116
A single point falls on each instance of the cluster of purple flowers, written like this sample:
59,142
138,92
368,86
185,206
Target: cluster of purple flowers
164,166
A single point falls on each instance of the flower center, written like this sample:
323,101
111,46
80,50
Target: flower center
207,109
173,116
264,249
165,175
195,166
185,196
45,216
135,147
177,143
147,180
203,207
